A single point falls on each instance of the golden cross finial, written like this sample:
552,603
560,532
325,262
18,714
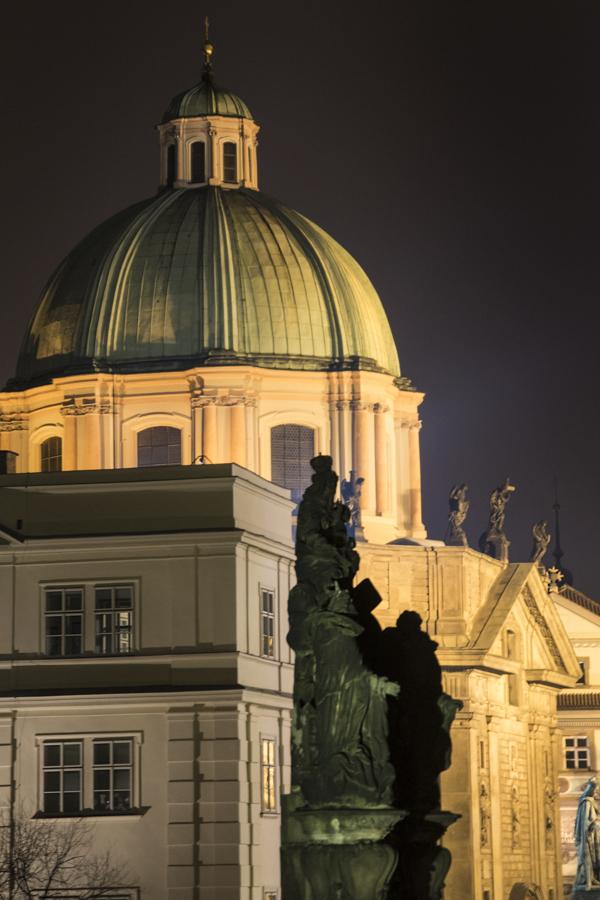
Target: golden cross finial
207,48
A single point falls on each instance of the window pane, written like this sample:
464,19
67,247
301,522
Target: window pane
71,780
53,647
103,598
159,446
72,646
73,625
72,803
51,803
53,625
101,779
72,754
101,800
104,643
121,752
101,753
53,601
122,800
73,600
51,755
229,162
197,159
123,597
122,779
51,781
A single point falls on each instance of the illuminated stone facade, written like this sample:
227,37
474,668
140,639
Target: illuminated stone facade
215,316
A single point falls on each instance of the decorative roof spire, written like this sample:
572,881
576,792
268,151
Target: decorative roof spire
208,49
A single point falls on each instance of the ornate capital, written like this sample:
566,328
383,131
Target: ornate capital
379,408
81,406
16,421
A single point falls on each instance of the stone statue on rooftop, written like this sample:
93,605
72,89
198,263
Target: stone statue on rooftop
459,507
351,491
587,840
541,541
494,541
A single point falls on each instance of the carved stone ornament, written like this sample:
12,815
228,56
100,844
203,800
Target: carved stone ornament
484,815
16,421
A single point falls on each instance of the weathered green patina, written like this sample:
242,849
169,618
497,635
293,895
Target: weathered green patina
206,276
363,820
206,99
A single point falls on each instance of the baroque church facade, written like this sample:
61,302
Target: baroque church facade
183,365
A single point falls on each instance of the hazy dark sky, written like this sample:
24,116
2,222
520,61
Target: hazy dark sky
452,147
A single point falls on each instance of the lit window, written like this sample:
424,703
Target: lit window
292,448
112,775
62,776
198,174
268,775
577,753
51,455
267,618
230,162
114,619
171,164
159,447
64,621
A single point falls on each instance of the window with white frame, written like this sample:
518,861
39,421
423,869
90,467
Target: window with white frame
113,774
63,621
267,622
230,162
114,619
577,752
91,774
268,775
62,776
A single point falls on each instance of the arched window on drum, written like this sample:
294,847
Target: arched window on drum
159,446
292,448
51,455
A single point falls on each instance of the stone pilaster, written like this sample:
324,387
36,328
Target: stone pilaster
381,461
182,799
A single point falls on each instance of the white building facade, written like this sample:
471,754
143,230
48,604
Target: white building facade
146,680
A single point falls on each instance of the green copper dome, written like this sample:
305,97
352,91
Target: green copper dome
206,276
206,99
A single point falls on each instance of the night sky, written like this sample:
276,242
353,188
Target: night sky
453,148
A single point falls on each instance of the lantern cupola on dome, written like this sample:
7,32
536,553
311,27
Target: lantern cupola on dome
208,136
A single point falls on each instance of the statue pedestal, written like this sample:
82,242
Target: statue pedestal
337,853
362,854
582,894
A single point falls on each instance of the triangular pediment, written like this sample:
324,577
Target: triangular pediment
518,605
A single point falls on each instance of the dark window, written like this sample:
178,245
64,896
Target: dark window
64,621
577,753
51,455
292,448
112,774
583,669
114,619
230,162
159,447
171,164
62,777
197,159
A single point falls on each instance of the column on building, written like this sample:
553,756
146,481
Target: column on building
381,460
363,455
210,443
237,433
416,515
69,448
403,511
213,157
182,805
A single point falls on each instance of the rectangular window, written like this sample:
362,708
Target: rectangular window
583,669
230,162
62,776
198,175
267,620
270,895
112,768
268,775
64,621
577,753
114,619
